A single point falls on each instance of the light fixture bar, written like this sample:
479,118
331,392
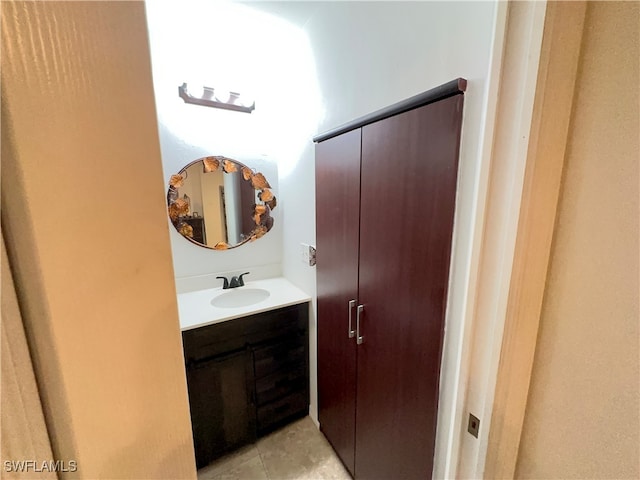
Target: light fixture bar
207,100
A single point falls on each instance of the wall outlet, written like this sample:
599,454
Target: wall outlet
308,254
474,425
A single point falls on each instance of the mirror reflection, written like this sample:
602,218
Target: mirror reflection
219,203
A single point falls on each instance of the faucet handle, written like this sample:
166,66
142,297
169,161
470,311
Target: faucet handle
225,285
240,280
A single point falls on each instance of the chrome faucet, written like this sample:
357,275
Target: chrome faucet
235,282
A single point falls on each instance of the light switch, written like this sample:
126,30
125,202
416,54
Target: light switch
308,254
312,256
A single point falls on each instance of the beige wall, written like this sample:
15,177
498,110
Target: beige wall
582,413
92,264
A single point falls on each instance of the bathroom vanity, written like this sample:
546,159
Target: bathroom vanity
247,365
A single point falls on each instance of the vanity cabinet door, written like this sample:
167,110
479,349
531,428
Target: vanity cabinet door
222,410
337,216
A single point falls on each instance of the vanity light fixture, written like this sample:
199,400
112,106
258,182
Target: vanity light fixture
209,98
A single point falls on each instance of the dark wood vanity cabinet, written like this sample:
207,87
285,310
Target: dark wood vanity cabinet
385,197
246,377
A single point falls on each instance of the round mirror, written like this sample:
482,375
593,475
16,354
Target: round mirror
219,203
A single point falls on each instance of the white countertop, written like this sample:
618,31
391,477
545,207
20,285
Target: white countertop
195,308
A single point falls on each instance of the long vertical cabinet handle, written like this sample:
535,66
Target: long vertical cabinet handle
352,332
360,338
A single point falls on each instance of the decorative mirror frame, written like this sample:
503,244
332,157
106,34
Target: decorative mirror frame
178,207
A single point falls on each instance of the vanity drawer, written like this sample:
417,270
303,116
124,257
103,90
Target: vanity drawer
232,335
280,384
271,358
273,414
210,341
272,326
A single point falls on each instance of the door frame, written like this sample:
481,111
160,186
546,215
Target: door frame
536,90
560,55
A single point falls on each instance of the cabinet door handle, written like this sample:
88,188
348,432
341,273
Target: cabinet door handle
352,332
360,339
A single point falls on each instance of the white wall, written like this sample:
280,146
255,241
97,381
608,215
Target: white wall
233,47
369,55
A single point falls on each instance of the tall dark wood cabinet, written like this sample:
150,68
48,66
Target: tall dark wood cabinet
337,238
385,198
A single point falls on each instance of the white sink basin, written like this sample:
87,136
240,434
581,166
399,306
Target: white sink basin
197,308
240,297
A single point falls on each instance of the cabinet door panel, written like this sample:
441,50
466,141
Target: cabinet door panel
337,215
409,173
222,415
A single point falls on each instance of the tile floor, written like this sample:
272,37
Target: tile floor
298,451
